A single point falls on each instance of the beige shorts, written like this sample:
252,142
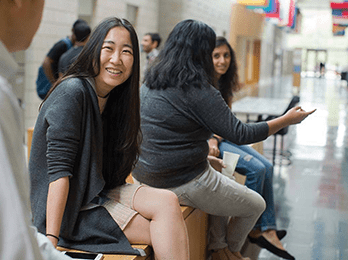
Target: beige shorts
121,203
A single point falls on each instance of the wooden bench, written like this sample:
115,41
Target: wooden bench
197,226
196,223
195,219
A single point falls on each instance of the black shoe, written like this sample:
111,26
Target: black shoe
262,242
281,234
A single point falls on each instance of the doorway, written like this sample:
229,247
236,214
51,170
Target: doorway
313,62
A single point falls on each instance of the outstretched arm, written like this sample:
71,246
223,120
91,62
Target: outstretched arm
294,116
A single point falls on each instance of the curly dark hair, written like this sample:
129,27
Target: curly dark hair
186,59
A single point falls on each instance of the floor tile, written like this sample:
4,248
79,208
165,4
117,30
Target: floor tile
311,189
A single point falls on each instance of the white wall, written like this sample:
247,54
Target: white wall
214,13
267,54
57,19
316,32
153,16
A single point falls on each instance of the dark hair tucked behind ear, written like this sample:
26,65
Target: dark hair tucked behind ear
186,58
121,116
229,82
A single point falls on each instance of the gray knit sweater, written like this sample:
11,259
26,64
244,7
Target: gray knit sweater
68,141
176,125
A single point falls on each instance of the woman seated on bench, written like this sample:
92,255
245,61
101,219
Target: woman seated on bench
258,170
180,109
85,144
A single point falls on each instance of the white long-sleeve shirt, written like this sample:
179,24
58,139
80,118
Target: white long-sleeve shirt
18,238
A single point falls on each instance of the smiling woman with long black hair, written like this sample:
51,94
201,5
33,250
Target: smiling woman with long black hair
180,109
85,144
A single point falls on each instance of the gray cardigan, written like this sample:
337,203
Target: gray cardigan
68,141
176,125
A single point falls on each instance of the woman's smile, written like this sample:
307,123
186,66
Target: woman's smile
116,60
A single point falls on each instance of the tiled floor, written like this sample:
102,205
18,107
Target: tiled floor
311,192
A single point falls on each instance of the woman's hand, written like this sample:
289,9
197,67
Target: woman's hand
294,116
216,163
213,147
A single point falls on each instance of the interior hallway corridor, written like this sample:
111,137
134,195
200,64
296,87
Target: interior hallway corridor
311,192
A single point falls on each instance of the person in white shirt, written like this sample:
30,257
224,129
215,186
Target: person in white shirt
19,20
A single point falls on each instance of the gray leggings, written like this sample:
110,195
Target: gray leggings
234,207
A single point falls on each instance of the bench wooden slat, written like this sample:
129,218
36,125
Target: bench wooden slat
146,248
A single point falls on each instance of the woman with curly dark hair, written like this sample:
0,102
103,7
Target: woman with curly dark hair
180,110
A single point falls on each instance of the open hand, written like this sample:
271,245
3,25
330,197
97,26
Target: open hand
296,115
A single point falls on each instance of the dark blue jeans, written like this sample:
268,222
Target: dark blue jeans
259,177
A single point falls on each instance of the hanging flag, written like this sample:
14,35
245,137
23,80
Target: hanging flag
337,12
338,30
268,8
293,26
291,13
343,5
276,13
340,21
262,3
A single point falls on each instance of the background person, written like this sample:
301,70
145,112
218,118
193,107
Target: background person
180,110
149,44
48,71
81,32
258,170
85,144
321,69
19,21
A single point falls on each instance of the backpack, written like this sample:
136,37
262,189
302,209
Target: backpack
43,85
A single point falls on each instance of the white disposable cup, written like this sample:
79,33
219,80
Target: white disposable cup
230,160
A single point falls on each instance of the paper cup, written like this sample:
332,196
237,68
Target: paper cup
230,160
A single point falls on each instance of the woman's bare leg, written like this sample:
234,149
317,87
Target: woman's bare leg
159,224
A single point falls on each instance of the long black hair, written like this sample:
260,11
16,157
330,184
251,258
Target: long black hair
228,82
121,115
186,59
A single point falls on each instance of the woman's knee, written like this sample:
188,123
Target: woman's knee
255,168
259,203
164,202
169,200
